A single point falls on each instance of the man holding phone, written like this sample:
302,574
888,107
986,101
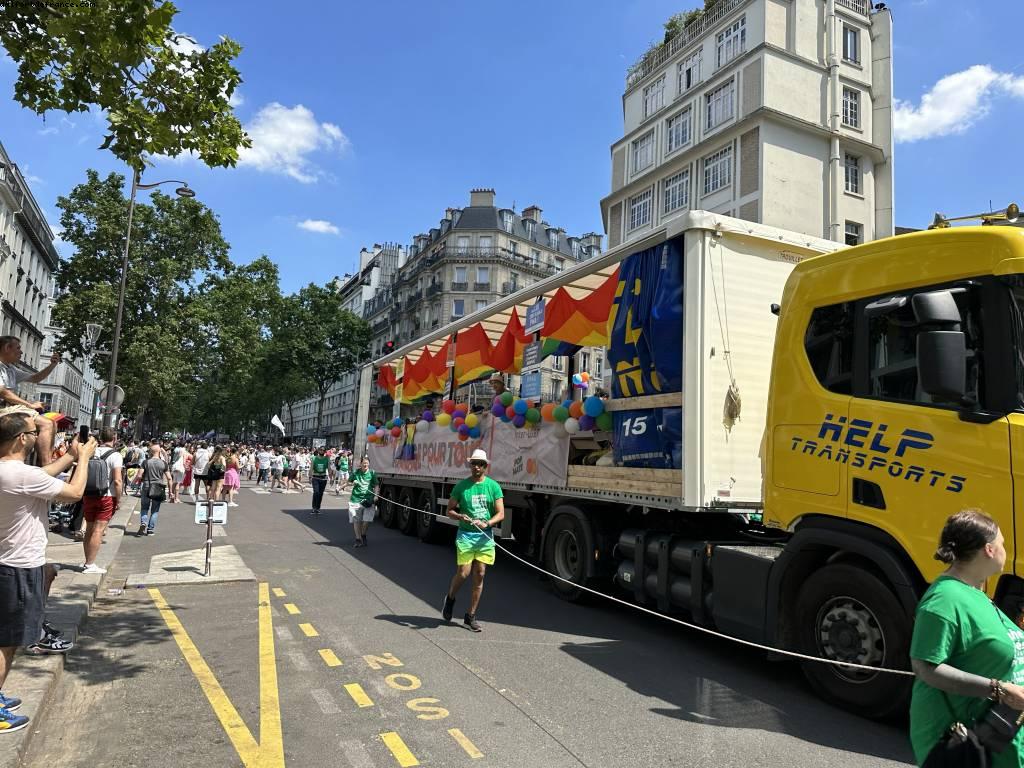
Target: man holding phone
10,377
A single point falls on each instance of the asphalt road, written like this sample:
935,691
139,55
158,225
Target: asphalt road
546,685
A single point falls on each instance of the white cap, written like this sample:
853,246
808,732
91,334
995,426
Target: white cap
479,455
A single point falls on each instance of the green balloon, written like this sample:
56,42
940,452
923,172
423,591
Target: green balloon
389,424
507,398
532,415
605,422
561,413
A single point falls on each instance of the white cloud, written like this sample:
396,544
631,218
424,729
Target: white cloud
283,138
954,103
236,99
319,226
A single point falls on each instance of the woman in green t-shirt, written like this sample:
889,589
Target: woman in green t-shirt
965,652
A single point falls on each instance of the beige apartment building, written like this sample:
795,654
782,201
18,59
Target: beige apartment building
473,256
773,111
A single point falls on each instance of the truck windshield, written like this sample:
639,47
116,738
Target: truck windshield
1017,323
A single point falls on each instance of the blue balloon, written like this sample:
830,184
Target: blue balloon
370,429
520,407
398,422
474,432
567,404
506,419
593,406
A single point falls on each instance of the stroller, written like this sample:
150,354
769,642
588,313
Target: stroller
62,514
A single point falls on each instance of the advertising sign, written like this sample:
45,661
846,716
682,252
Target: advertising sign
530,385
531,356
534,317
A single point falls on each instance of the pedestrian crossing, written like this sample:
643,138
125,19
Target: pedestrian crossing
267,492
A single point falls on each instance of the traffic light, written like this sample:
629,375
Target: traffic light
389,346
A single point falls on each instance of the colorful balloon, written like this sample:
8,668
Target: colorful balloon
558,429
458,421
398,422
458,413
380,434
585,376
463,437
428,415
593,406
587,423
463,429
510,412
577,379
520,407
472,420
422,425
519,420
506,418
498,409
576,409
506,398
448,406
572,426
462,407
532,415
605,422
371,438
444,419
567,404
560,413
547,412
370,429
474,432
396,431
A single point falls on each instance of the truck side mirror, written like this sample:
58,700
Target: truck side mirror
942,364
936,308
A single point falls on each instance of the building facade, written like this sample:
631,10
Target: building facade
773,111
62,391
27,260
473,256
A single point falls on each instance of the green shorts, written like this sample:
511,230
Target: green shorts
474,545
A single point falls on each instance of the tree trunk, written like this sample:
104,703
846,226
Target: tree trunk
291,420
320,411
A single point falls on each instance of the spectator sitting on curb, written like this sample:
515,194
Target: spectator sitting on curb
25,496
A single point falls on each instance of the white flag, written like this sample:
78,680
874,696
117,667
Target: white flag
277,423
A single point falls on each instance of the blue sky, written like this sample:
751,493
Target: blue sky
372,118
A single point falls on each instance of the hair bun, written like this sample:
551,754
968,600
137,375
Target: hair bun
946,553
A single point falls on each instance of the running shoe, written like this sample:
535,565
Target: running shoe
92,568
449,607
471,623
50,644
10,703
11,722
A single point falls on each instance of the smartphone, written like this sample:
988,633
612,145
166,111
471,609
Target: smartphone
83,433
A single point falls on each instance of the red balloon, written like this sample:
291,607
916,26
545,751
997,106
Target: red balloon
396,431
463,437
458,421
510,412
462,407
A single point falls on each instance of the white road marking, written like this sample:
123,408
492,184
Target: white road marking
327,704
283,633
298,660
356,754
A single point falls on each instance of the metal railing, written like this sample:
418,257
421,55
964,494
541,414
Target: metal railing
482,286
858,6
460,286
655,57
434,289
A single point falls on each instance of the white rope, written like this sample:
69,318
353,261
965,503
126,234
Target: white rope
705,630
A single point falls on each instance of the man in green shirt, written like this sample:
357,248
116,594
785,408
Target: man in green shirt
477,504
342,479
360,502
318,477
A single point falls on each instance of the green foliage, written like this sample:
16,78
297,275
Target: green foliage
162,95
675,24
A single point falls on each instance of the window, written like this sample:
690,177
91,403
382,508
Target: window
458,308
854,233
719,104
640,209
575,249
718,170
654,96
557,364
598,366
675,192
829,346
460,274
677,131
851,164
851,43
462,244
553,238
480,304
486,241
506,220
46,398
689,71
643,152
892,350
559,265
585,361
851,107
530,224
513,279
514,247
732,41
483,274
535,256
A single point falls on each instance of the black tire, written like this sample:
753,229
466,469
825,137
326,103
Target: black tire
845,612
385,509
428,527
405,518
566,554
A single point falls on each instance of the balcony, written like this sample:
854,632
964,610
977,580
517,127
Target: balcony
482,287
434,289
414,297
507,288
381,326
460,286
857,6
29,216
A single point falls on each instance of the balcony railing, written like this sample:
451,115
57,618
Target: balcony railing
507,288
858,6
482,286
460,286
31,219
656,57
433,289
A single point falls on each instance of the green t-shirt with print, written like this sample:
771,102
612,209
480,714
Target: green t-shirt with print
959,625
362,484
476,500
318,466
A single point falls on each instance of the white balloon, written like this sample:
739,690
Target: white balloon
558,428
572,426
422,425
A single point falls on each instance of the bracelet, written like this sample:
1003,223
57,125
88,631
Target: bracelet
996,690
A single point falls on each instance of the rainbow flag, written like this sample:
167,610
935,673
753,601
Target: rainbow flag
472,355
507,353
584,321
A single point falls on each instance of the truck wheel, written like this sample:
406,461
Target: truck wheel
385,508
405,517
565,555
846,613
428,527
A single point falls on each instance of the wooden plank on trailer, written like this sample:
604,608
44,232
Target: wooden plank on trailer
646,488
663,400
627,473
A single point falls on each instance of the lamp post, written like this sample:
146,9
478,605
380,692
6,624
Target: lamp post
182,191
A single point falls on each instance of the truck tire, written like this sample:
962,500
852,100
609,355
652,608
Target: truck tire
385,509
565,553
845,612
405,515
428,527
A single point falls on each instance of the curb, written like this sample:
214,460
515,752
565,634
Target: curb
34,678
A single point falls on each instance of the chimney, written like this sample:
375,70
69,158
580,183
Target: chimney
532,212
593,241
481,198
448,214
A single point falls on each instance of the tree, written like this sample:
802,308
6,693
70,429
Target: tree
175,241
320,340
162,93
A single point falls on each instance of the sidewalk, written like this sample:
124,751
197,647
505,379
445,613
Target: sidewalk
34,678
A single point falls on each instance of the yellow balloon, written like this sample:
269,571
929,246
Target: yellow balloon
472,420
444,419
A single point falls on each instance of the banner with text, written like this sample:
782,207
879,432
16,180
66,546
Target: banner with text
530,456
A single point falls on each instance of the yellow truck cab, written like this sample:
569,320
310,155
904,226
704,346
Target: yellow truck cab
896,399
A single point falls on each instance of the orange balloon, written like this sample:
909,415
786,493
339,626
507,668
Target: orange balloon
548,412
585,376
576,409
462,407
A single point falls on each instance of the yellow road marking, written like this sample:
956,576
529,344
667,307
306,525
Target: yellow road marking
329,658
278,592
292,608
465,743
269,752
401,752
309,630
355,690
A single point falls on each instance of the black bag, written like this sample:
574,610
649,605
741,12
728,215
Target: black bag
959,748
998,727
155,492
214,472
97,483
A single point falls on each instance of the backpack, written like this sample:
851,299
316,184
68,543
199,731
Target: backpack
133,457
98,481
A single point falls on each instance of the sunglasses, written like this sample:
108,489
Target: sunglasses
29,432
478,463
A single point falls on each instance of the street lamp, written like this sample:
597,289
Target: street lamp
182,191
